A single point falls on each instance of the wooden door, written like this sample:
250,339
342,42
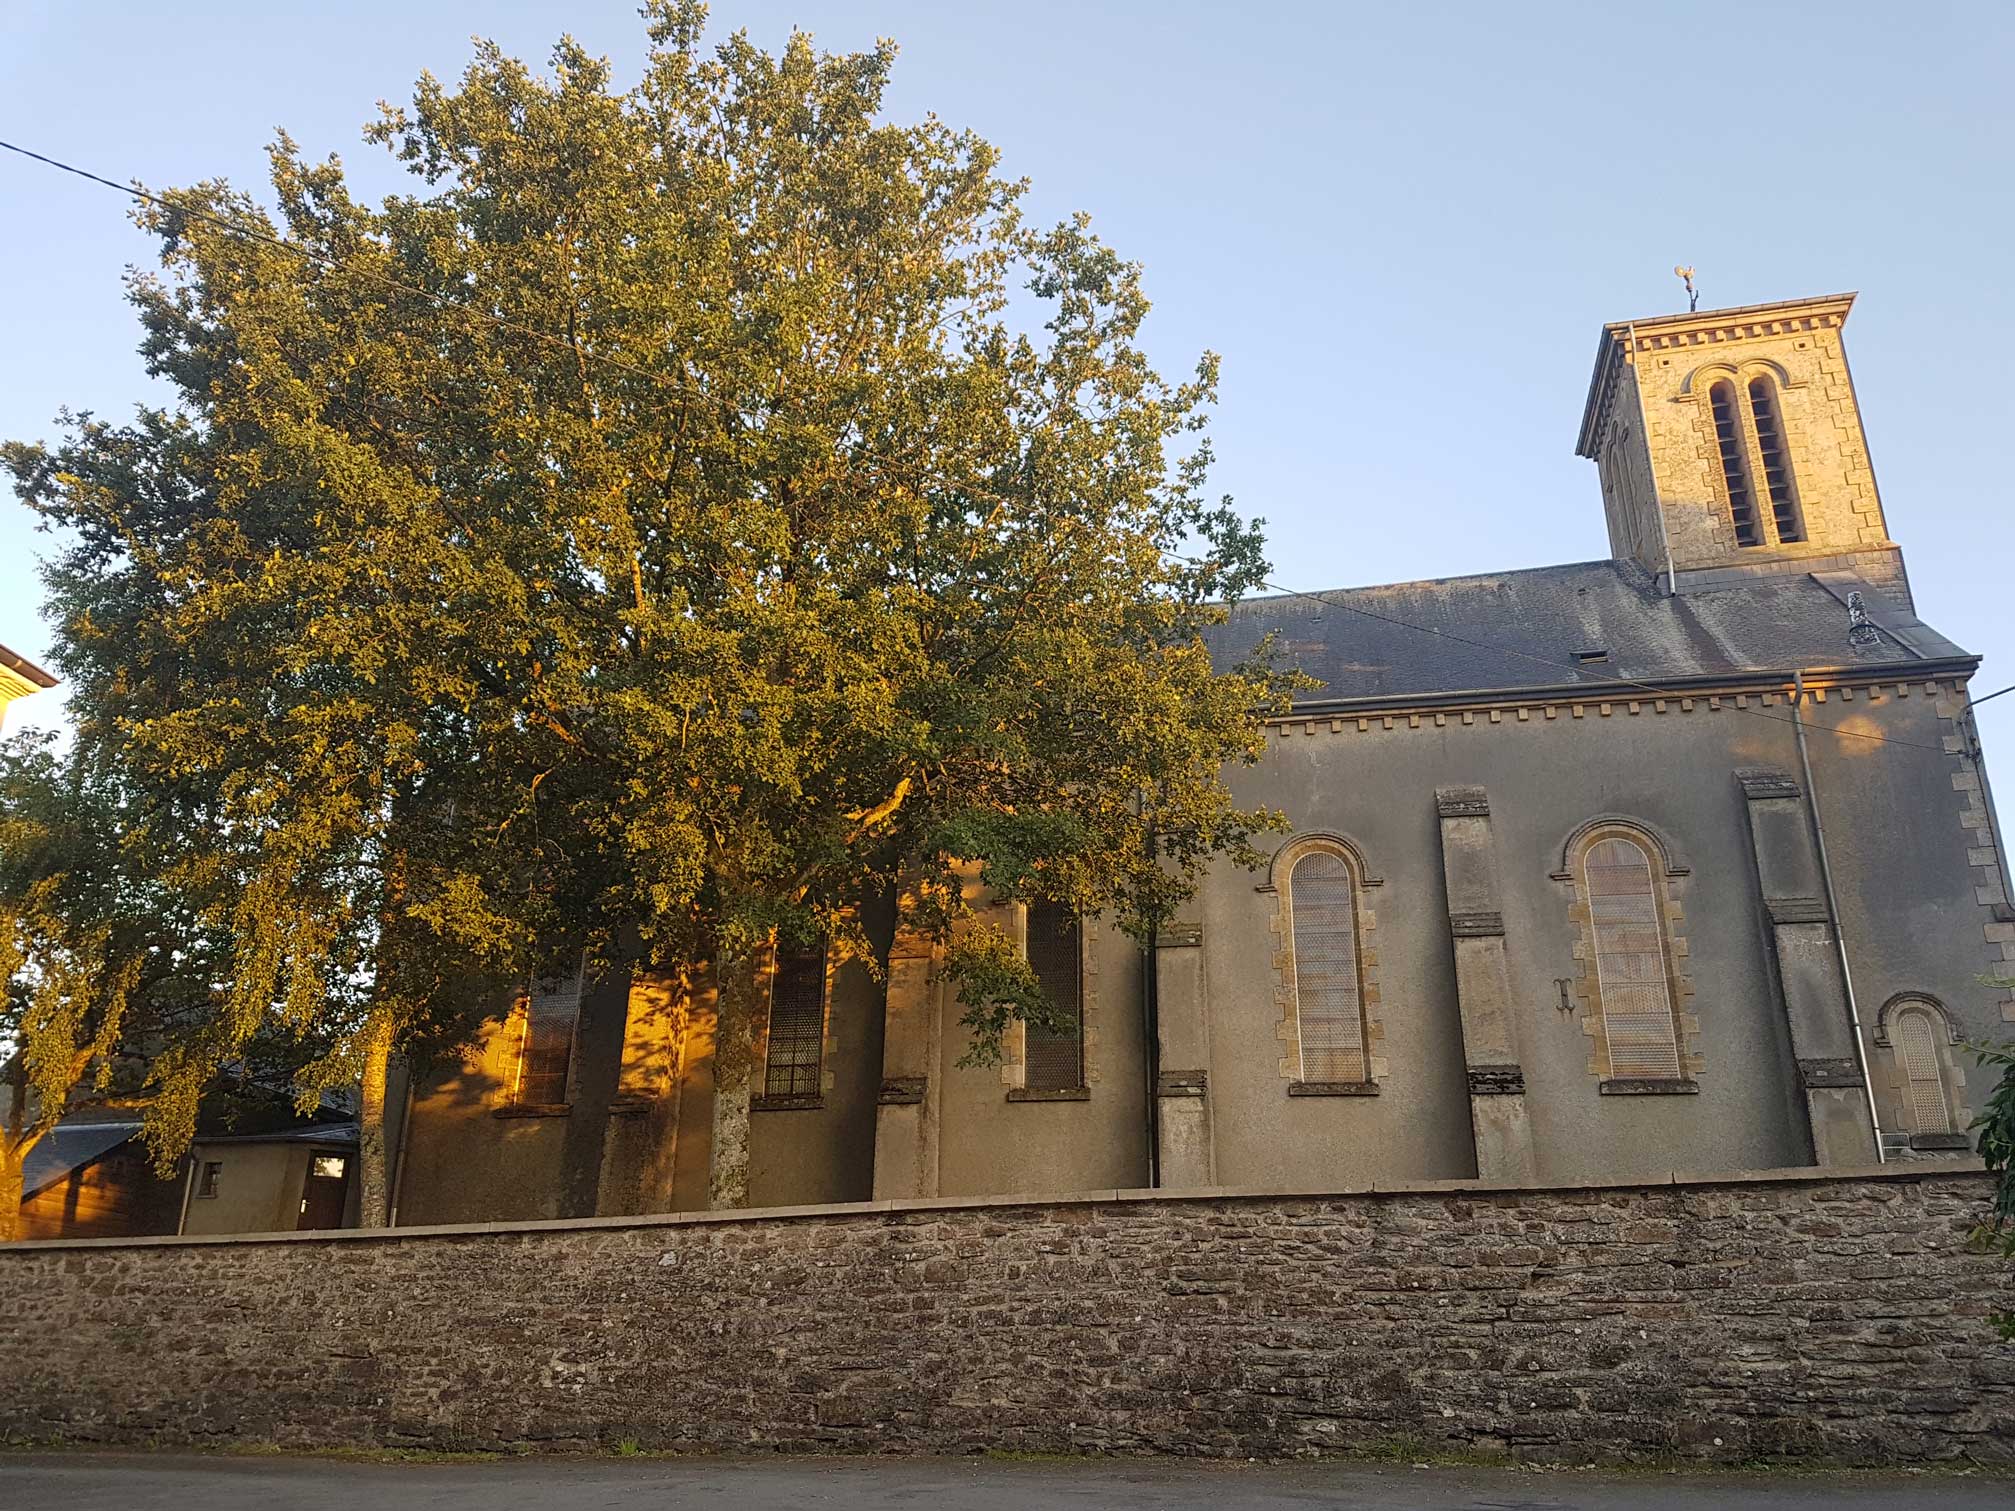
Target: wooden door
325,1192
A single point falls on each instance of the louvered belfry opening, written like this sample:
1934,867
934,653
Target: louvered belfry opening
797,1037
1915,1035
1054,1059
1734,466
1328,991
1776,461
552,1012
1630,963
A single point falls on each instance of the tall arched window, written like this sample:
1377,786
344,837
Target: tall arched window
1776,460
1913,1036
1054,1057
546,1050
1328,986
793,1063
1630,961
1734,463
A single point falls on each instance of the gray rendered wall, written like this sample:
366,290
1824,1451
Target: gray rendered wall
1908,899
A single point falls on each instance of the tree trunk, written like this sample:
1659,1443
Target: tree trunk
738,1002
12,1157
376,1187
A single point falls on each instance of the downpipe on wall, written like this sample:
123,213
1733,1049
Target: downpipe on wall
1833,911
1150,1015
1644,432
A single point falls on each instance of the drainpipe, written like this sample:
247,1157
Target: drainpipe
405,1143
188,1190
1150,1014
1644,433
1833,912
1150,1017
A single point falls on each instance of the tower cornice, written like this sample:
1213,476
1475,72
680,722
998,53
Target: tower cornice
1695,328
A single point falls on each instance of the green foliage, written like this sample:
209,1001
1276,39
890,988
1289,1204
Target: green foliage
649,535
99,967
1996,1124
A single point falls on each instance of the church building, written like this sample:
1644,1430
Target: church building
1678,860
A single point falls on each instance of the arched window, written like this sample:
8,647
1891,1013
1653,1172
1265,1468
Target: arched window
1054,1057
1631,971
1734,463
546,1051
1777,481
1328,986
1913,1036
793,1061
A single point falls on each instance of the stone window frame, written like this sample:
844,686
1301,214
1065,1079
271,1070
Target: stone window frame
1668,875
767,1101
1014,1043
517,1038
1889,1072
1279,884
1696,390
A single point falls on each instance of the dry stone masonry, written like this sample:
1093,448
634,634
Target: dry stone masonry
1840,1316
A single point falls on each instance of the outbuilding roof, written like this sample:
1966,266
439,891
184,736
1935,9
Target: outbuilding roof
334,1134
68,1147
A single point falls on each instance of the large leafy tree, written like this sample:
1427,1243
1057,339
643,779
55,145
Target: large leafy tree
662,519
102,968
288,777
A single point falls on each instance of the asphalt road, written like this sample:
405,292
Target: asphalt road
157,1482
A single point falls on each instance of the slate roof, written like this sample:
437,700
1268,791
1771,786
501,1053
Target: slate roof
1503,631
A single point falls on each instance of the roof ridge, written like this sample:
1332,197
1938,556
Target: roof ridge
1621,569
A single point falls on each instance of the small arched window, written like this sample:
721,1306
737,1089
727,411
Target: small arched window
1913,1035
1328,985
1630,961
1776,460
1734,463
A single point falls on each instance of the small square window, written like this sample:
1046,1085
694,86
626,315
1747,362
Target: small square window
330,1166
206,1183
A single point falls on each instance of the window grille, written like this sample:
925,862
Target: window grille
1914,1032
1776,461
797,1037
1630,965
552,1011
1328,993
1734,465
1054,1058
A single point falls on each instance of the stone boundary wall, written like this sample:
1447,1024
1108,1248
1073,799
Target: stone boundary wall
1840,1316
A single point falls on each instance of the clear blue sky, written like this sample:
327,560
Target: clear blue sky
1402,225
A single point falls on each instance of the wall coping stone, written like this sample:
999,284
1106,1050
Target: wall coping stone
1895,1170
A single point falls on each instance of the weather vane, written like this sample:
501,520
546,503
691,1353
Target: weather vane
1685,276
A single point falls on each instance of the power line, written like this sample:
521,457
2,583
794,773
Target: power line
337,264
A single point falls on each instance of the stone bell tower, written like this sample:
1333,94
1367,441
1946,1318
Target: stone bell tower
1730,446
